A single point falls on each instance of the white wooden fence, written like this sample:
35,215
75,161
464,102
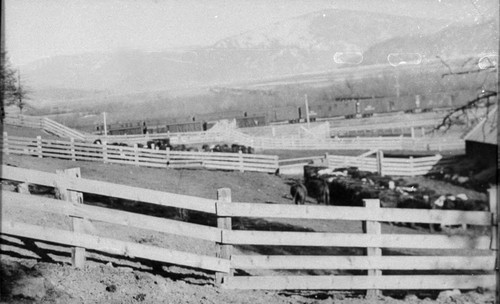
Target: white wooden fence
358,143
80,151
44,123
228,134
465,267
410,166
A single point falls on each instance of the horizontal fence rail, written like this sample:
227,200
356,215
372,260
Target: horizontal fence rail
361,282
465,267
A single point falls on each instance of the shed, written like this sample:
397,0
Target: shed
481,142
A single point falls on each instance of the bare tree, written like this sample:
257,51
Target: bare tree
482,100
21,94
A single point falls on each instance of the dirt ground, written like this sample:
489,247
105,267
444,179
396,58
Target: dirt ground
34,272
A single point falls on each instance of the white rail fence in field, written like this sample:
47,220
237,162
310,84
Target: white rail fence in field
228,134
81,151
448,269
44,123
411,166
358,143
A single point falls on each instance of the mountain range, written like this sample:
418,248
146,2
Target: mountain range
304,44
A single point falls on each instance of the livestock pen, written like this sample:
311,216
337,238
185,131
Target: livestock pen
374,270
309,139
81,151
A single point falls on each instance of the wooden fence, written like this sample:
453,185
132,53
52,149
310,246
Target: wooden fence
44,123
411,166
227,134
358,143
80,151
449,270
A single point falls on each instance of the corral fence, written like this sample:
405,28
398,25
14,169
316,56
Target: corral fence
307,141
412,129
81,151
44,123
374,270
397,143
409,166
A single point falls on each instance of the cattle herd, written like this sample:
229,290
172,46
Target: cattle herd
164,144
349,186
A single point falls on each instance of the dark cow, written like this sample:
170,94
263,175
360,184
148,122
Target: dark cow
319,189
119,144
159,144
225,148
235,148
415,202
206,148
299,193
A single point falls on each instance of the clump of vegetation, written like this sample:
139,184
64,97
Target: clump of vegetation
13,89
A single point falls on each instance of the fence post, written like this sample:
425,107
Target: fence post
39,146
327,163
412,168
412,132
105,152
495,230
6,143
167,155
372,227
136,154
77,253
380,162
240,158
72,146
223,251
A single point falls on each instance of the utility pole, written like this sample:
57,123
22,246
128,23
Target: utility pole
397,84
307,111
105,124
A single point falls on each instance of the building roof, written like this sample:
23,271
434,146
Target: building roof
486,130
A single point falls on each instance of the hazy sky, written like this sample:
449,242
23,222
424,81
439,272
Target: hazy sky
36,29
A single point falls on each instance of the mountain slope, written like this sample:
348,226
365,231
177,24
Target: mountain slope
451,42
299,45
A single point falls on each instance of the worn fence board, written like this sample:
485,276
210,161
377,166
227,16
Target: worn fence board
361,282
111,189
113,216
363,262
420,241
448,217
114,246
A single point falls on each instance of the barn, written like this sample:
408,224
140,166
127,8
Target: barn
481,142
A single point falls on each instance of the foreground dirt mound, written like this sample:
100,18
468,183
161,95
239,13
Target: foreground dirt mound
26,281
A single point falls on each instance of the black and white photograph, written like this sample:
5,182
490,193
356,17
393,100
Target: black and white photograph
249,151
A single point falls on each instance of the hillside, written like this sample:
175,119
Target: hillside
303,44
451,42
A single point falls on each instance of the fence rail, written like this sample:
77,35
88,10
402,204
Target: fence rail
79,151
225,262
